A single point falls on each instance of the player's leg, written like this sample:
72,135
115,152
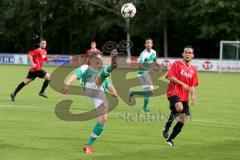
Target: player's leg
175,103
177,129
147,85
104,73
99,99
98,128
170,120
30,77
182,109
46,76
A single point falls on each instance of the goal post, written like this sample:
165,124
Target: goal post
229,56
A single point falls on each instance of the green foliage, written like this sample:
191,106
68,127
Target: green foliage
70,25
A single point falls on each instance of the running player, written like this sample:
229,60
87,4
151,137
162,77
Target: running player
36,58
94,81
183,79
146,62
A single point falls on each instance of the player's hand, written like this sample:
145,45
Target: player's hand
114,94
193,100
65,89
185,87
34,65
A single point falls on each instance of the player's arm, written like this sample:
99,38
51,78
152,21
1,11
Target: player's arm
30,57
176,81
69,82
52,59
157,66
192,93
78,75
194,83
140,65
112,90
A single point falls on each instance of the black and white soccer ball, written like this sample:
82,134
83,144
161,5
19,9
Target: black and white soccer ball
128,10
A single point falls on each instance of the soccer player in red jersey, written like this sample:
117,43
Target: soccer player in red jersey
36,57
93,48
183,79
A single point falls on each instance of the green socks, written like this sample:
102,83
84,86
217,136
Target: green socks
97,130
145,104
105,72
146,95
142,93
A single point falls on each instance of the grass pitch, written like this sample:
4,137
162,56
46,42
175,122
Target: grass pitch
30,130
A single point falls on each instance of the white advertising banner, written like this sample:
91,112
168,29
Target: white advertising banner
213,65
206,64
20,59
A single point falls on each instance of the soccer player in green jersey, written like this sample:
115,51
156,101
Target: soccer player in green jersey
94,80
146,63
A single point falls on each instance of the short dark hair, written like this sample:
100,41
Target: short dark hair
42,39
93,53
93,42
188,47
148,39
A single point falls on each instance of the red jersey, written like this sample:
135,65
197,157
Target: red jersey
39,56
184,73
90,50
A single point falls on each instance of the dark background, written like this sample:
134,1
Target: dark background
70,25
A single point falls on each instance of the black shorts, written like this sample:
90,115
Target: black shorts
39,74
174,99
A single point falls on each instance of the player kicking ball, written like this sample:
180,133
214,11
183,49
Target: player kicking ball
95,80
146,62
36,58
183,79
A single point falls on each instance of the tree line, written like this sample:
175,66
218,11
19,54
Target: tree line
69,26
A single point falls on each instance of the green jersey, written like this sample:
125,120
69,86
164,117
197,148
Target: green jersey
146,59
105,84
85,73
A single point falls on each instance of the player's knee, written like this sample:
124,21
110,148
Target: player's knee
27,81
48,76
103,119
179,109
182,118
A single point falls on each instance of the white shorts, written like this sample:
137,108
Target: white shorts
96,94
146,82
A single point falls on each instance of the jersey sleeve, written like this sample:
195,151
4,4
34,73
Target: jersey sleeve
34,52
80,71
106,83
172,71
141,59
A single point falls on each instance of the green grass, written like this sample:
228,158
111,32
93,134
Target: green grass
29,129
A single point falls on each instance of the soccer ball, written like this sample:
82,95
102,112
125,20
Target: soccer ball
128,10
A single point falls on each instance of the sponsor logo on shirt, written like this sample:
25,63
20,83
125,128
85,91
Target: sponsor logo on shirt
185,74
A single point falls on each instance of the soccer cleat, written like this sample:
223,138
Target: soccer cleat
114,55
130,96
88,149
165,133
13,97
146,111
170,143
43,95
